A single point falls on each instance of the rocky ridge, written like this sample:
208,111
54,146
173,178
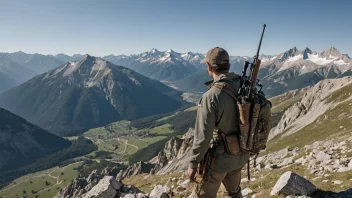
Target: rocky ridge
313,104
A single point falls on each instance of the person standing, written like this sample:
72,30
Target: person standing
218,111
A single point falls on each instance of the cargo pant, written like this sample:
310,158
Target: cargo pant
231,185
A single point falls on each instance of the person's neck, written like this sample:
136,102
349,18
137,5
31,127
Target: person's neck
215,75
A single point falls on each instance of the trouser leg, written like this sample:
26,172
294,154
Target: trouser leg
231,183
209,189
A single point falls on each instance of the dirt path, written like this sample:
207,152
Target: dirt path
125,151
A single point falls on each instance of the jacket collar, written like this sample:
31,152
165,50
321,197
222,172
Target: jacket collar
228,76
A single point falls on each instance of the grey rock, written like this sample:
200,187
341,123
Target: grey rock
160,192
344,169
299,161
106,188
245,192
175,155
135,169
337,182
292,184
323,157
128,196
287,161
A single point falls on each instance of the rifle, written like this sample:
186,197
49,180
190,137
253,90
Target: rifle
205,166
248,83
245,103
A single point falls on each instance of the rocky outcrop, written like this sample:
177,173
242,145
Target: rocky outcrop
106,188
135,169
292,184
313,104
293,113
160,192
175,156
82,185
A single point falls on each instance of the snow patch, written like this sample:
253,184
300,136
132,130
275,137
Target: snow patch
340,62
267,59
289,62
71,68
135,81
319,60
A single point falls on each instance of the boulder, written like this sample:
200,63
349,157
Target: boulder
160,192
292,184
323,157
106,188
337,182
287,161
245,192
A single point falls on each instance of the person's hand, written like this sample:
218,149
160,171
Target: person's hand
192,174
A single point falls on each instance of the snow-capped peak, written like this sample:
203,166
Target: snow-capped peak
306,60
289,53
153,51
169,51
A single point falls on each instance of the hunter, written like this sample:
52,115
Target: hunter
217,111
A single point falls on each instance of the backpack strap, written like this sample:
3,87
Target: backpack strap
223,86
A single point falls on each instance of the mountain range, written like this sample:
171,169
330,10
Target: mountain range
290,70
88,93
169,65
22,142
295,69
18,67
12,73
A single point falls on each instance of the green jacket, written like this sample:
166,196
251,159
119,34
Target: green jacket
217,110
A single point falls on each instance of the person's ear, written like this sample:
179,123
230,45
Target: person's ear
210,69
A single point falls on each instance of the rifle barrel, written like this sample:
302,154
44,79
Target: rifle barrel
260,42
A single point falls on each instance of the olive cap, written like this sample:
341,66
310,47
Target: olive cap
218,58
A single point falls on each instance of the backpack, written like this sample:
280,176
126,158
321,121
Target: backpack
255,120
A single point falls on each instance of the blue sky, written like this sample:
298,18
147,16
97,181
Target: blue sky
105,27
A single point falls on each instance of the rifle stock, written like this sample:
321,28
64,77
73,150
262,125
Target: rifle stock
255,73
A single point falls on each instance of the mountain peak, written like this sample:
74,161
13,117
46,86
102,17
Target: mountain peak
170,51
88,56
306,51
332,51
289,53
154,50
